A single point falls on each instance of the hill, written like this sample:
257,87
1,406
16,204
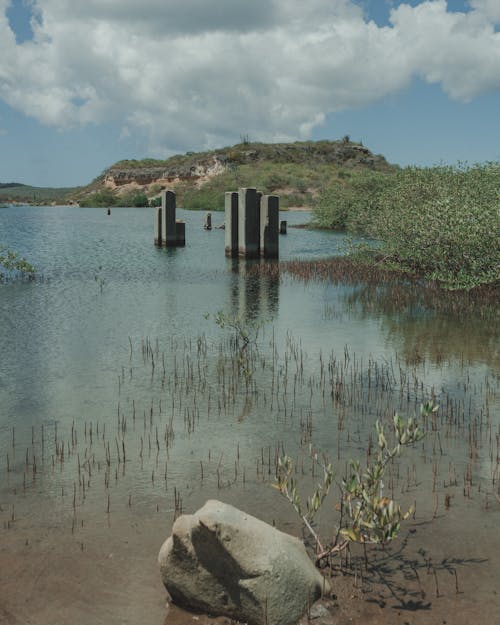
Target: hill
297,172
15,192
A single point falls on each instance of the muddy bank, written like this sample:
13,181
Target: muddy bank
108,575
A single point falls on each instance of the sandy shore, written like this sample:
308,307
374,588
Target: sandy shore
108,575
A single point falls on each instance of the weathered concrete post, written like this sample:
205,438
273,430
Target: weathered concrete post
169,231
248,224
169,236
269,218
158,225
231,223
282,227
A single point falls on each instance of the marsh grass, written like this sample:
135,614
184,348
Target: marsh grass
374,277
190,425
172,392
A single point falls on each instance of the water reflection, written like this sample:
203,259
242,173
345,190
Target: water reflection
426,323
253,297
155,408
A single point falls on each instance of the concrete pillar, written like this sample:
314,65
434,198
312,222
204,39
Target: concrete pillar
169,236
158,225
282,227
248,224
208,221
180,233
269,220
231,224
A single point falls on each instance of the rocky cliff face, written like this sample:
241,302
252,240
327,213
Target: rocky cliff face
165,175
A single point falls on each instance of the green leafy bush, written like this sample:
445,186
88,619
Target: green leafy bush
103,198
352,205
206,198
136,198
442,223
367,515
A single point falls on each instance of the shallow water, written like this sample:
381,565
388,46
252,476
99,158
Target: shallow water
121,404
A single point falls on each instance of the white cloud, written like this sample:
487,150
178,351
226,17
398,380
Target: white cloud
192,74
461,51
489,8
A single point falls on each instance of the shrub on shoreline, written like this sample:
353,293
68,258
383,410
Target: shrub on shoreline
352,204
442,223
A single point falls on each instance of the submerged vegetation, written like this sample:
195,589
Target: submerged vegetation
441,223
243,340
14,266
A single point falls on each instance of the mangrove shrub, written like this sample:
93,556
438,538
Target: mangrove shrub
353,202
442,223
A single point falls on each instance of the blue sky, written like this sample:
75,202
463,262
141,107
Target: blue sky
84,83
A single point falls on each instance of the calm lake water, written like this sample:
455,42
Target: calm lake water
121,402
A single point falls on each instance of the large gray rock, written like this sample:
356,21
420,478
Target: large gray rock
223,561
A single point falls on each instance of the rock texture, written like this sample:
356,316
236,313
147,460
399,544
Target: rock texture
171,173
223,561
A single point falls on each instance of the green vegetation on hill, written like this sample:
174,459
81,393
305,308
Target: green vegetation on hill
106,198
297,172
296,183
442,223
10,185
21,193
298,152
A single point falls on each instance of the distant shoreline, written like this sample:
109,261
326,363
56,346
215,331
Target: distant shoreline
291,209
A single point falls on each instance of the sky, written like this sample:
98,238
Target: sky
85,83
